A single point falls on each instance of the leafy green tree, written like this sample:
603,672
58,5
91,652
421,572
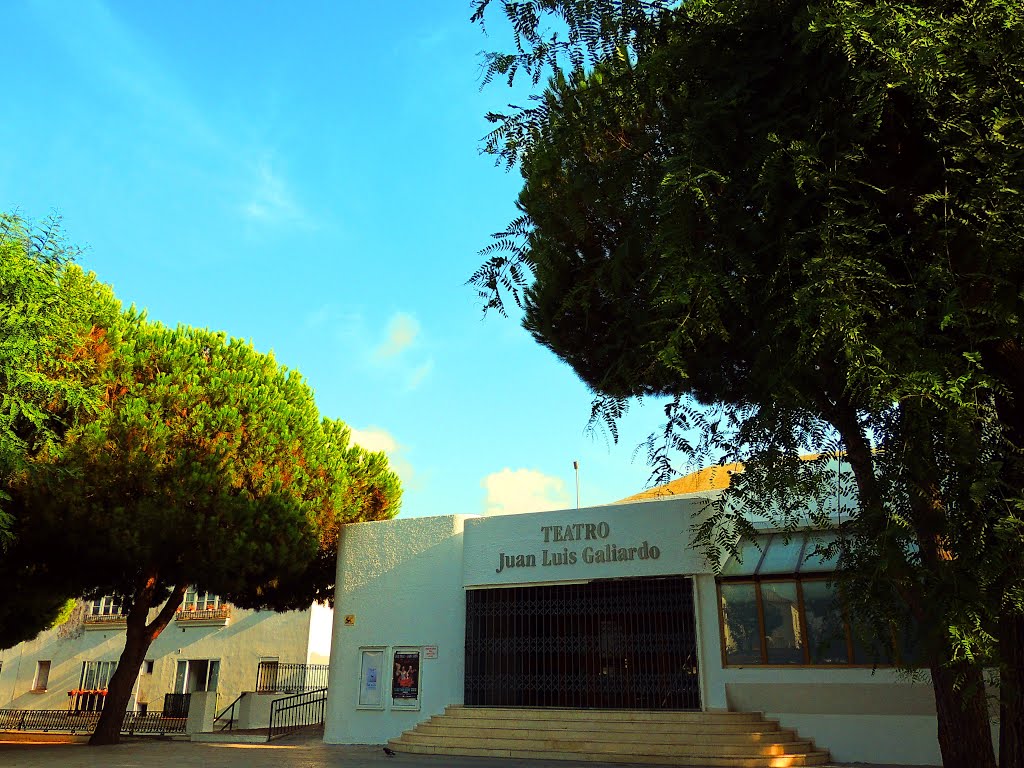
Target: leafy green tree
207,466
54,322
799,221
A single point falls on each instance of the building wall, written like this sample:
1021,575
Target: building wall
403,583
239,645
400,581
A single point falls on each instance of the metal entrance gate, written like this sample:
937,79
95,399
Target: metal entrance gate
609,644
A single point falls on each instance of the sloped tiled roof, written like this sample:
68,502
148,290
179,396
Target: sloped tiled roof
713,478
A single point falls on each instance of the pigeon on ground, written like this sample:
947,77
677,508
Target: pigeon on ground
389,752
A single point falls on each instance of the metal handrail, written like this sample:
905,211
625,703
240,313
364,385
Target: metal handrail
294,712
230,725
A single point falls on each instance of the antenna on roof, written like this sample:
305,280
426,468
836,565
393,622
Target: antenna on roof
576,467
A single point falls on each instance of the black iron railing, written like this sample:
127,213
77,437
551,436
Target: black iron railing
294,712
106,619
273,677
176,704
227,716
152,723
65,721
48,720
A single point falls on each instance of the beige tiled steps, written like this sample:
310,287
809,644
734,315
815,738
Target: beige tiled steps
706,739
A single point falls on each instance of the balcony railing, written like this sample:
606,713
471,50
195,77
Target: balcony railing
221,613
106,620
176,704
274,677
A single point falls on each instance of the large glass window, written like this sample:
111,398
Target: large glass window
778,607
740,624
783,632
826,630
795,621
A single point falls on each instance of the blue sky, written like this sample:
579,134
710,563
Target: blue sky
307,175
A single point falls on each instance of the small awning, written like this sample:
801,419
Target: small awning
779,554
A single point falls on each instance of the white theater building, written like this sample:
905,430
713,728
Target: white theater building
605,608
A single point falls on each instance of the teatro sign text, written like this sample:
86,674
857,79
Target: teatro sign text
600,551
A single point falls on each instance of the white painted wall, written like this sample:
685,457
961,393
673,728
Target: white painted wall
401,580
238,645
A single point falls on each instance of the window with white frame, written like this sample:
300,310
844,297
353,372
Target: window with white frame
92,686
200,601
105,606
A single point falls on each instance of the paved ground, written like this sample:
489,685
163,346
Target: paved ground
303,753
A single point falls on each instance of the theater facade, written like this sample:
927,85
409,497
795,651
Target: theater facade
608,607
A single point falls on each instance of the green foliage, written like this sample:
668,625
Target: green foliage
54,344
799,222
208,466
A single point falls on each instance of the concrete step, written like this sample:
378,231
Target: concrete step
576,744
254,736
816,757
664,734
600,715
706,739
612,726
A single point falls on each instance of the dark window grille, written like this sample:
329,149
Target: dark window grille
609,644
176,704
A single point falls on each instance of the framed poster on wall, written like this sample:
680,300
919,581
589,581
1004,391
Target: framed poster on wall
371,678
406,686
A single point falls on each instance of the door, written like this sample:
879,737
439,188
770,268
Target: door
611,644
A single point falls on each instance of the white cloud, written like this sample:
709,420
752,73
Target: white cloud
402,331
511,492
375,439
271,200
419,374
378,439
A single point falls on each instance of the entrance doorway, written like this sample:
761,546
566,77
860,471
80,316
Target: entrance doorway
196,675
609,644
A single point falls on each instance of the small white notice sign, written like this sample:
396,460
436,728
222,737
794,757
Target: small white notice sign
430,652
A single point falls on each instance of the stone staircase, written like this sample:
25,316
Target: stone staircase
705,739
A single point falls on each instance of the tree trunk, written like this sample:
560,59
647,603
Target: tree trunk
965,737
1011,691
137,641
119,690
